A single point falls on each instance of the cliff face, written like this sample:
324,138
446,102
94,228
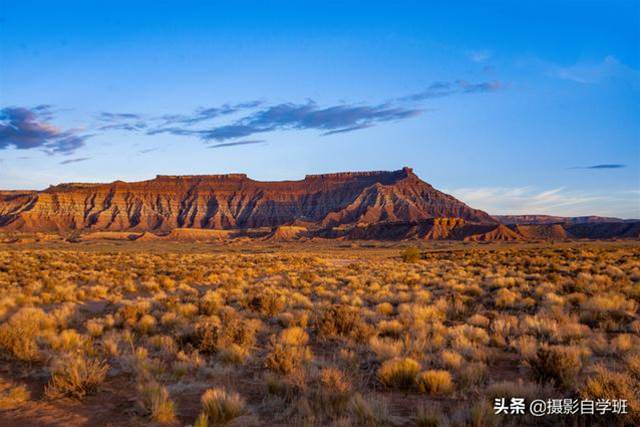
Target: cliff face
233,201
549,219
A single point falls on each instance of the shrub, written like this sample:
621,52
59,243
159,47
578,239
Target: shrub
286,359
76,376
399,373
94,327
265,302
482,415
211,302
234,354
293,336
622,343
212,335
220,406
67,340
341,320
146,323
201,421
606,384
633,365
505,298
334,391
390,328
427,417
286,319
608,311
13,396
451,359
410,254
385,348
556,365
156,400
417,315
18,334
287,388
471,374
435,382
289,350
369,411
384,308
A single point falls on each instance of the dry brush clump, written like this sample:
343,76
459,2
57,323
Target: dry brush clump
76,376
19,333
289,351
13,395
434,382
346,336
399,373
220,406
156,402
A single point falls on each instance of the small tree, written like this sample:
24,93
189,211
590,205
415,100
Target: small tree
410,254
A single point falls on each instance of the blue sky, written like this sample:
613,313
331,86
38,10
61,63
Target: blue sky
515,107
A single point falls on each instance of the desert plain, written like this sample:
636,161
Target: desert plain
118,332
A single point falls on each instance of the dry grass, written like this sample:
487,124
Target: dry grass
12,395
399,373
76,376
347,337
157,403
559,366
435,382
220,406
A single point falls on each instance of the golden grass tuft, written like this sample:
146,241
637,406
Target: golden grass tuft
76,376
399,373
434,382
220,406
12,396
155,399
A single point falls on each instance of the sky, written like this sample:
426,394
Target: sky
528,107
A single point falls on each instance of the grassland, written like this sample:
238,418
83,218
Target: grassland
306,334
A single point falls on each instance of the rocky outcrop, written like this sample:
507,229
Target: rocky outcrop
541,231
444,229
286,233
394,205
232,201
550,219
498,233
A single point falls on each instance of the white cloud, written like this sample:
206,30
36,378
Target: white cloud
479,55
596,72
556,201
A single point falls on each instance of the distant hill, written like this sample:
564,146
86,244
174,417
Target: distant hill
549,219
384,205
232,201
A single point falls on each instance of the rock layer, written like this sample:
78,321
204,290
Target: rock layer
394,205
232,201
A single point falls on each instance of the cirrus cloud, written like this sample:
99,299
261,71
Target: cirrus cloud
203,114
556,201
25,128
235,143
442,89
329,120
602,166
78,160
589,73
